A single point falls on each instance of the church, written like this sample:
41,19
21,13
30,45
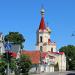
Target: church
45,58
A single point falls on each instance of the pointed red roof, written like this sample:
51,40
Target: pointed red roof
42,24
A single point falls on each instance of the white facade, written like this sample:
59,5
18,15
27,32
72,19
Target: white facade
43,40
62,62
43,37
2,49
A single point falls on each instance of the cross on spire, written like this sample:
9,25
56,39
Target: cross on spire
42,11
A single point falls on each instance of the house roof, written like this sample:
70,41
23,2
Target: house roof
45,54
42,24
14,54
34,55
57,53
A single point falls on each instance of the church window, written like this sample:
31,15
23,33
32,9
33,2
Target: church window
40,38
40,48
51,49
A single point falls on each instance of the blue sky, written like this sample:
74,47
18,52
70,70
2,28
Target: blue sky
24,16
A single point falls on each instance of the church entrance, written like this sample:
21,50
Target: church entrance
56,67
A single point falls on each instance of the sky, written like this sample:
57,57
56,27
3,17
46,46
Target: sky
24,16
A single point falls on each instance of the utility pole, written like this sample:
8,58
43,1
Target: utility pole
8,73
8,56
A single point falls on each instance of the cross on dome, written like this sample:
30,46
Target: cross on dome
42,12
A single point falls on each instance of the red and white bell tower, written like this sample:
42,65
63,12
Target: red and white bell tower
43,36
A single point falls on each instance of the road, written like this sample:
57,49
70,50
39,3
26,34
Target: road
57,73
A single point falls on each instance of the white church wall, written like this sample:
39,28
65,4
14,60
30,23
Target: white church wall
62,62
51,68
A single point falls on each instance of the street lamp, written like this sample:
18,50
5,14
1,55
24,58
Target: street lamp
70,59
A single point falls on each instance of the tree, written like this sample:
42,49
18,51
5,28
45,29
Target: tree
9,60
15,37
13,65
70,56
24,64
2,67
7,56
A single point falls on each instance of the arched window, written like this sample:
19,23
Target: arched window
40,38
51,49
40,48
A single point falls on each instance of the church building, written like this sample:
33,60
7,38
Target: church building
45,57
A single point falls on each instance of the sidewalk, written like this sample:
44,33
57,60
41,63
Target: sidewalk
56,73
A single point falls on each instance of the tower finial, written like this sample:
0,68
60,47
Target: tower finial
42,11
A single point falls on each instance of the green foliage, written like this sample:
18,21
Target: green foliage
15,37
72,65
7,56
24,64
2,68
13,64
70,56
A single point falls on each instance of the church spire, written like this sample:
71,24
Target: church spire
42,12
42,23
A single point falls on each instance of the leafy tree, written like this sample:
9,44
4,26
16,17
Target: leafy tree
8,58
70,56
2,68
13,64
24,64
15,37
